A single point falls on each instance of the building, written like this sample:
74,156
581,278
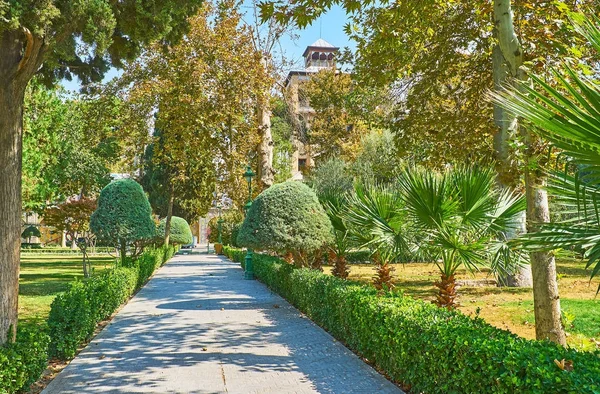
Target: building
317,56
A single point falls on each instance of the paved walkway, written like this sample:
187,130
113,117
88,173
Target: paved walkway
199,327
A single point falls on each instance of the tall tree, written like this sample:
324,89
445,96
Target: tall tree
64,152
60,39
215,74
266,39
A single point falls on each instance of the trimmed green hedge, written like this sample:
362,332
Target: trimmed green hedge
179,234
53,250
430,349
75,314
22,362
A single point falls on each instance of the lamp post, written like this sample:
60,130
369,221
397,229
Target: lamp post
249,174
219,226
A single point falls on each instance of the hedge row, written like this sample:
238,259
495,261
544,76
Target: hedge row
427,348
22,362
56,250
74,316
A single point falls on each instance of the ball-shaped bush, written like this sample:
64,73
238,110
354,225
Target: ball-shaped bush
287,217
179,234
123,214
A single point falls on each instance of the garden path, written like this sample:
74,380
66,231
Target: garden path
199,327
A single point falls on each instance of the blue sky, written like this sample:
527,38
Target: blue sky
330,27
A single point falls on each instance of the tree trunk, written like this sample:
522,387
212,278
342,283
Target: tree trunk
266,173
74,241
546,302
169,214
507,59
123,251
20,57
63,239
11,133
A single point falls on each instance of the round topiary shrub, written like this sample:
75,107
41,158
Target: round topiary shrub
180,233
123,215
287,218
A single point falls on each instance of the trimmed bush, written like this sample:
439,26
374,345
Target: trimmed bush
75,314
123,215
287,217
22,362
429,349
31,231
180,233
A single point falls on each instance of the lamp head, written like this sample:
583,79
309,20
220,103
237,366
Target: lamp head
249,174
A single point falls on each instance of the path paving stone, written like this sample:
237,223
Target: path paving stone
199,327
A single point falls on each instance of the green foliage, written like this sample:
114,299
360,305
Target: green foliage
287,217
111,31
282,130
22,362
376,219
63,153
430,349
193,187
232,220
31,231
378,160
75,314
180,233
123,215
567,116
331,178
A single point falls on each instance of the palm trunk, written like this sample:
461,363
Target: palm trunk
266,173
507,59
340,267
447,292
383,274
169,214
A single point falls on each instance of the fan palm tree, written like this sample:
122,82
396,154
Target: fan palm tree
334,204
376,220
569,117
461,218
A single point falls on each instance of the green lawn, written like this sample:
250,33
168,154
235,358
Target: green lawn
43,276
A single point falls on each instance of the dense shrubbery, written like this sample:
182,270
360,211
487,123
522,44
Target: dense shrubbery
75,314
23,361
286,218
179,234
430,349
123,215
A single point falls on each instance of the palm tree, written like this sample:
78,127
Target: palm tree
334,203
461,219
376,220
569,117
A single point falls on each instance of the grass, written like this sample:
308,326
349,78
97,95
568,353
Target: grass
43,276
508,308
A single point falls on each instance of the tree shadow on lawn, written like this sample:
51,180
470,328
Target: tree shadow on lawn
219,324
45,284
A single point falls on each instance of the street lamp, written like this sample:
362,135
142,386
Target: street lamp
249,174
219,226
